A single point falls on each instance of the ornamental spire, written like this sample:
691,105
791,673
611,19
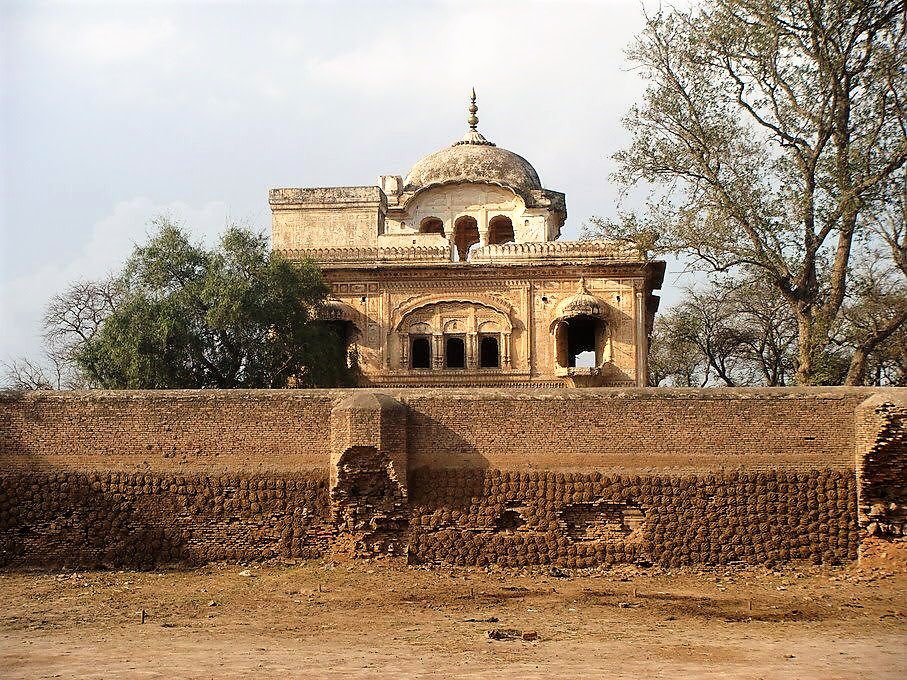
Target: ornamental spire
473,136
473,119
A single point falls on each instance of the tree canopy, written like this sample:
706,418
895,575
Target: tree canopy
773,138
181,316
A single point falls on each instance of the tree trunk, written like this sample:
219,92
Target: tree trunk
857,371
805,348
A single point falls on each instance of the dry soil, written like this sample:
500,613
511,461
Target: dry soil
383,619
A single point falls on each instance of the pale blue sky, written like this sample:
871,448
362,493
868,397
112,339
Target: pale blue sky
113,113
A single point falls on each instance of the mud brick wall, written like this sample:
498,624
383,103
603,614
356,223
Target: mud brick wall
574,478
144,520
145,479
673,477
173,429
654,429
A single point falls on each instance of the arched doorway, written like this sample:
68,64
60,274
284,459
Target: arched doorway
420,352
348,346
489,351
466,234
455,351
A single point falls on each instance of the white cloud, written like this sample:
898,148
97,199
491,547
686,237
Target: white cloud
22,299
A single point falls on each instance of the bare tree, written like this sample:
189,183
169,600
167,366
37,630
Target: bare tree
73,317
775,132
729,332
54,373
876,312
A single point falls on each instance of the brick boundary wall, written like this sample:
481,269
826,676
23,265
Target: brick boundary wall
575,478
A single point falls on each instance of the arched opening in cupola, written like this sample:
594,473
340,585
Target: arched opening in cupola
466,234
500,230
431,225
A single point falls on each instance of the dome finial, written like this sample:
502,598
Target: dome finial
473,120
473,136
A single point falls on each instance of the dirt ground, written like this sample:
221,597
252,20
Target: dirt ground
382,619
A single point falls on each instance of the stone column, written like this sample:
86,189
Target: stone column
482,224
472,358
641,338
404,350
438,350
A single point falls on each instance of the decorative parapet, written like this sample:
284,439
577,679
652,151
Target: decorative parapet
415,255
557,251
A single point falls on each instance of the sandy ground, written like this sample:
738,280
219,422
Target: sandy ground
382,619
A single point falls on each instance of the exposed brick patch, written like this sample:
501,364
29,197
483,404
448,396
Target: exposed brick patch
369,508
882,466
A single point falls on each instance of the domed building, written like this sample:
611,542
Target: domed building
454,275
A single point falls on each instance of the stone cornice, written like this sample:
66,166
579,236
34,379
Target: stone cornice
433,275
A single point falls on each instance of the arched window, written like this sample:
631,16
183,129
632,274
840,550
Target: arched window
581,342
489,352
466,234
500,230
420,352
348,335
432,225
454,352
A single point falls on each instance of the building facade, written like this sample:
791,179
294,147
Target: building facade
454,275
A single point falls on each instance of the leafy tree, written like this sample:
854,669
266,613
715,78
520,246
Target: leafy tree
181,316
773,134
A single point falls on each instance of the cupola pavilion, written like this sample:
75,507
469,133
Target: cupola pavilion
454,275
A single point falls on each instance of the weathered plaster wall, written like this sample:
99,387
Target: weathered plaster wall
326,217
633,429
571,477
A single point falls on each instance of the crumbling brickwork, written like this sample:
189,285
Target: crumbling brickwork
882,464
570,478
370,513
